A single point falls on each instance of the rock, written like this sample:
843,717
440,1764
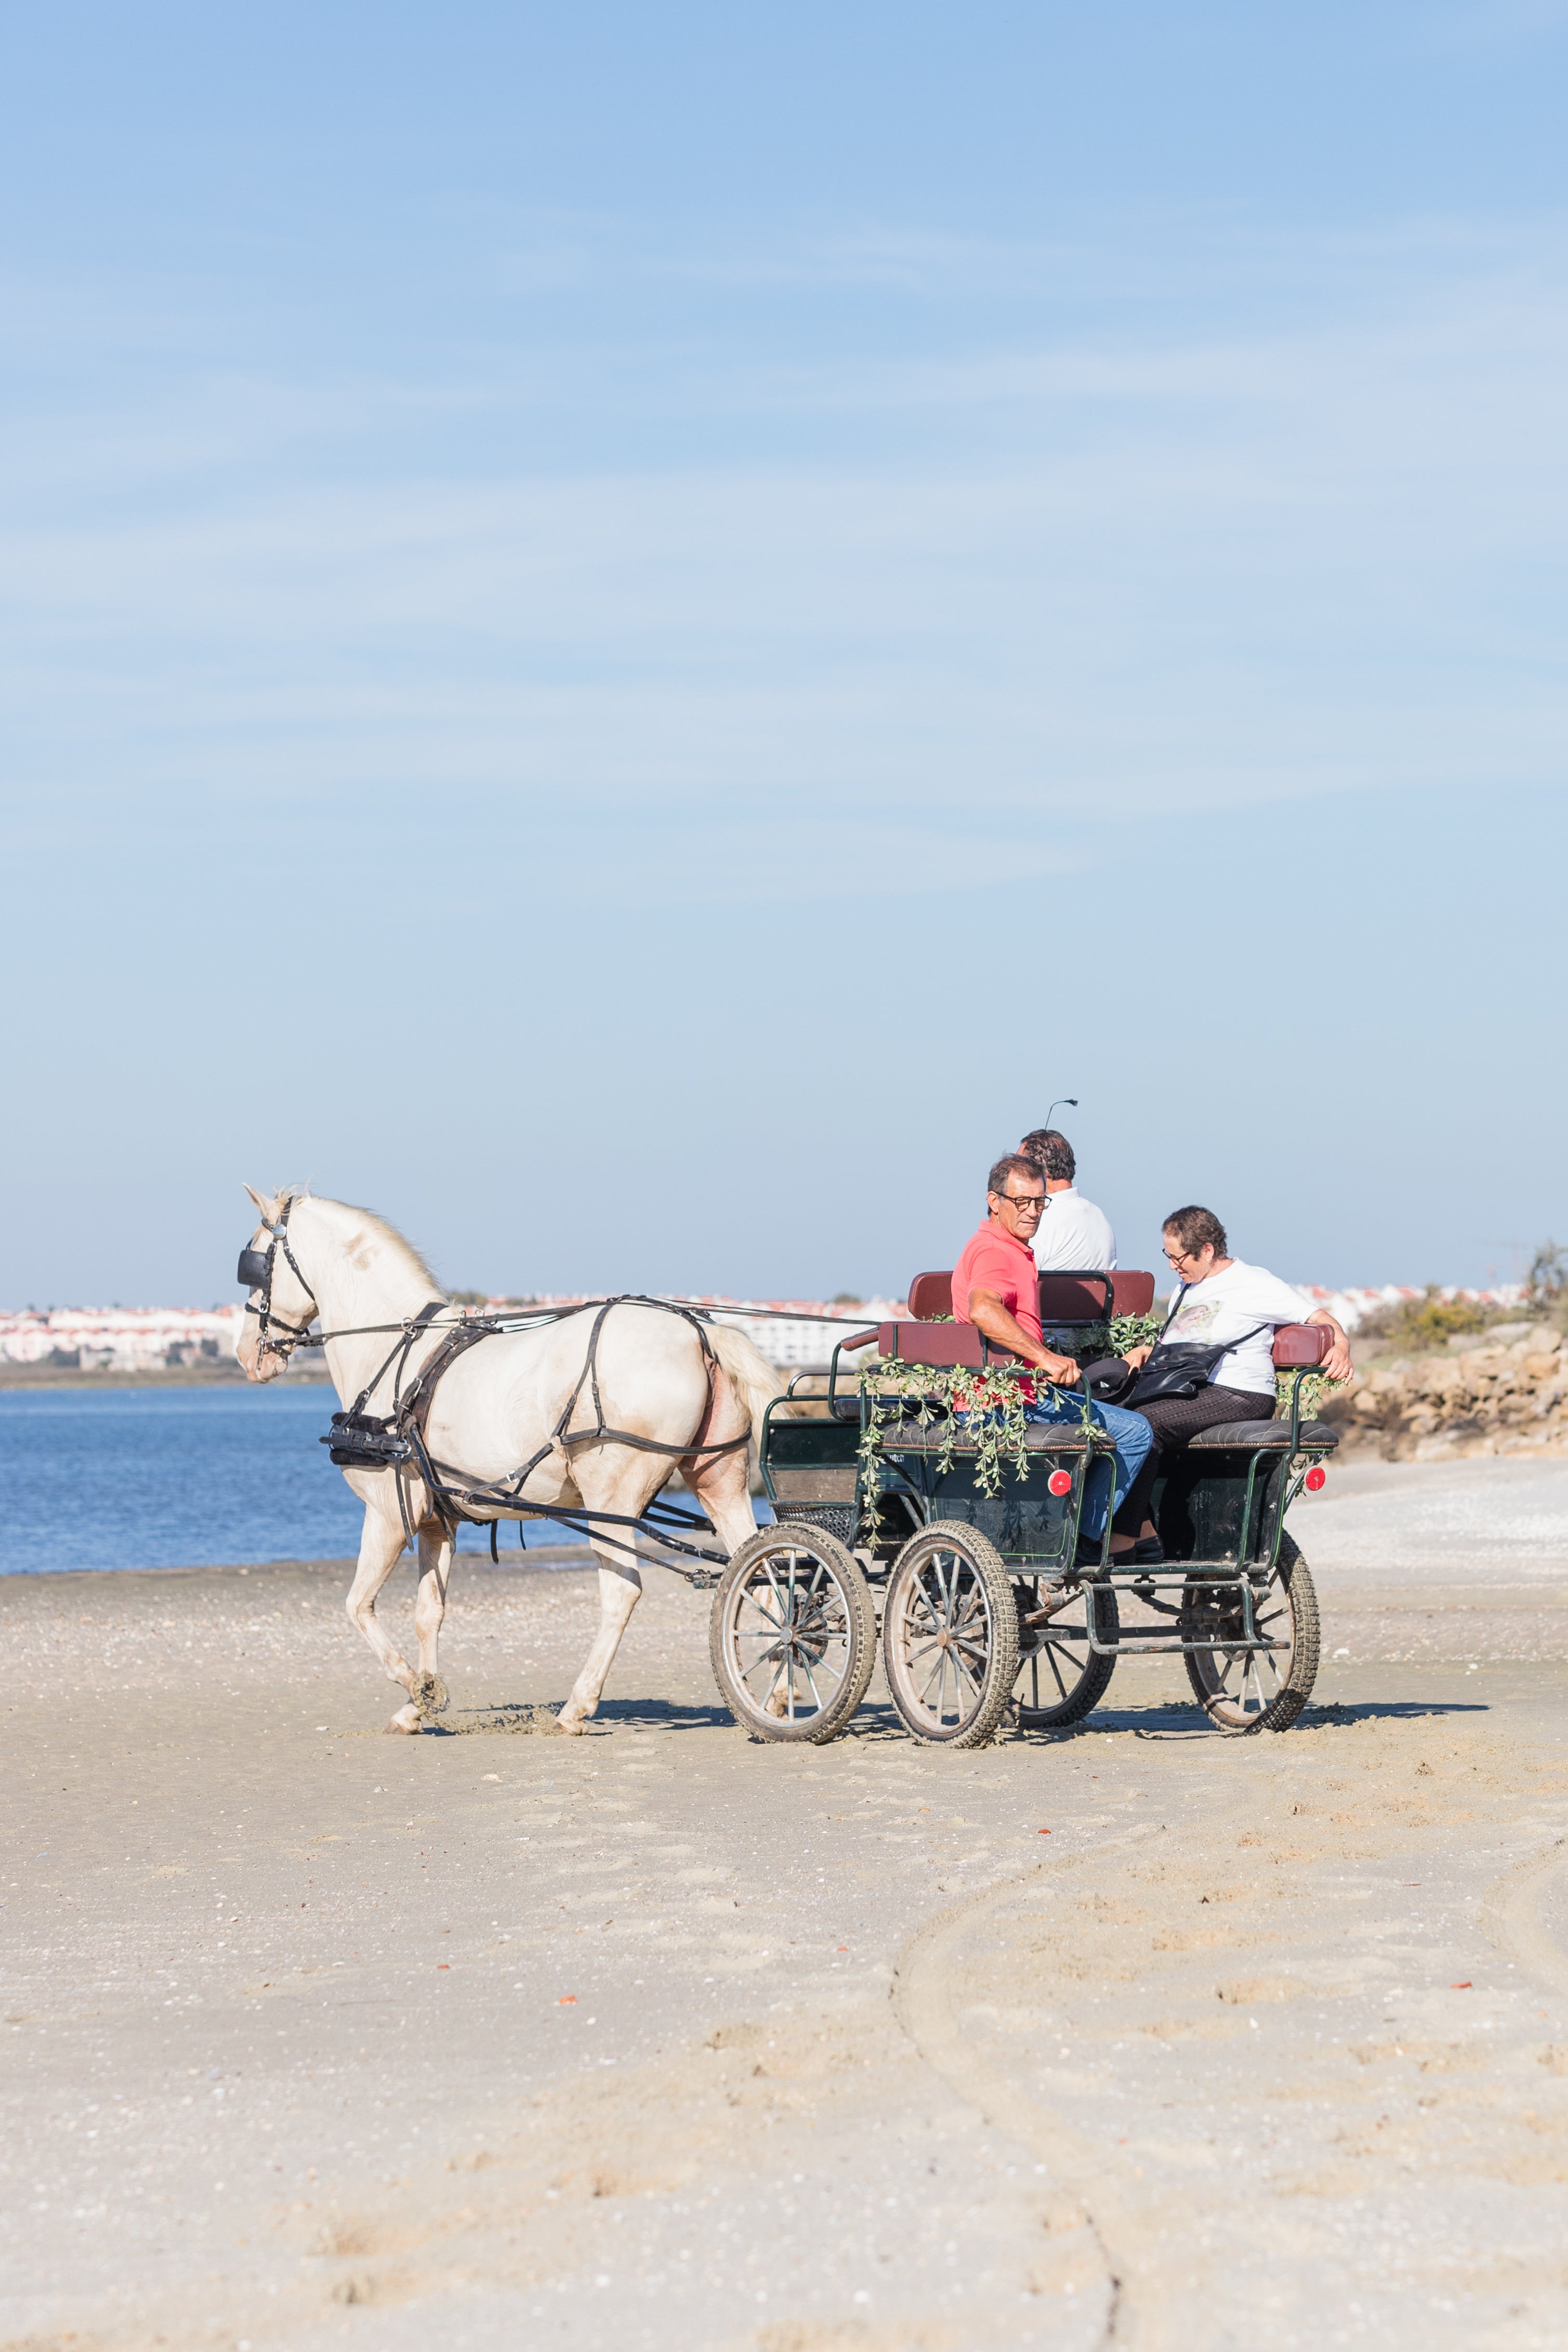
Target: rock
1464,1343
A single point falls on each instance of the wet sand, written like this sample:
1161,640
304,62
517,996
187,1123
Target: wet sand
657,2037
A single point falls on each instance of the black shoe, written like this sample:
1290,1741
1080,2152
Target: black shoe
1147,1552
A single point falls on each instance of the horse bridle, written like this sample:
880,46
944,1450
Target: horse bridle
256,1271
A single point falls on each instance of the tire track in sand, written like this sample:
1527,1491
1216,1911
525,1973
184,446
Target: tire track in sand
1270,2056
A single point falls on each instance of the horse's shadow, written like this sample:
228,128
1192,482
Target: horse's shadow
508,1716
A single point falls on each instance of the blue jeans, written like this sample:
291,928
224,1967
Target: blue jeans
1132,1437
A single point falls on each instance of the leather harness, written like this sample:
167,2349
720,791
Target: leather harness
396,1441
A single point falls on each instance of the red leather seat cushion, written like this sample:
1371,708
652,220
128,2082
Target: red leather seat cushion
1301,1343
931,1343
931,1294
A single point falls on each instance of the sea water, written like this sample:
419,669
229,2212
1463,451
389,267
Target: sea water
174,1477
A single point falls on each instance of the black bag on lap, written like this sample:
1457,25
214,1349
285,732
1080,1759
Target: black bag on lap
1182,1370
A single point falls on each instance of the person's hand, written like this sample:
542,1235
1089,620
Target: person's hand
1136,1358
1336,1364
1064,1370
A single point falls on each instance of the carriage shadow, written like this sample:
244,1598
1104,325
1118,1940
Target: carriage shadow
1185,1719
879,1721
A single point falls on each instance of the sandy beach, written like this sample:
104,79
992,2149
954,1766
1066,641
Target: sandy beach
1138,2035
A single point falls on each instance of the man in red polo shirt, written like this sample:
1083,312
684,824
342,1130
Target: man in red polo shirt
995,1288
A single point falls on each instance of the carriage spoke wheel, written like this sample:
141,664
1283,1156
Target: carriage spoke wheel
950,1636
1062,1680
1241,1688
793,1635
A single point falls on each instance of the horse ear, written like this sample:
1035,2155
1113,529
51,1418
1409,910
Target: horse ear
264,1207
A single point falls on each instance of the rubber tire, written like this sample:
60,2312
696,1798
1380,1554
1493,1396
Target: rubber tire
1002,1657
861,1614
1087,1693
1292,1577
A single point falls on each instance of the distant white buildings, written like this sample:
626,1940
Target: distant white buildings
119,1338
785,1331
1348,1307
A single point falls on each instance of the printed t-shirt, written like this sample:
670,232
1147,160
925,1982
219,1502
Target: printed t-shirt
1225,1306
993,1260
1073,1234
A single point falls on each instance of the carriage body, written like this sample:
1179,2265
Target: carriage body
998,1587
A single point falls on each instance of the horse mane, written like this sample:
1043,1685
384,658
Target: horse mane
396,1243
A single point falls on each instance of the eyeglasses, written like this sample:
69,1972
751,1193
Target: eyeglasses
1023,1200
1180,1257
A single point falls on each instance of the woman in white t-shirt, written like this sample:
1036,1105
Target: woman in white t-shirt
1221,1298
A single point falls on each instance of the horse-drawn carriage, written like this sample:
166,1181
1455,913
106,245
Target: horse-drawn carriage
992,1607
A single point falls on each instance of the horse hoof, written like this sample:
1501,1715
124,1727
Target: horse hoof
571,1729
430,1698
406,1719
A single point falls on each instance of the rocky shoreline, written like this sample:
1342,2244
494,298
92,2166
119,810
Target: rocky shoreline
1498,1391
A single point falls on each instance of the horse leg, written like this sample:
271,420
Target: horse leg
436,1551
619,1590
721,1482
381,1548
610,1479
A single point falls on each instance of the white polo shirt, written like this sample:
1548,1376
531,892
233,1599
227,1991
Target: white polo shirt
1072,1234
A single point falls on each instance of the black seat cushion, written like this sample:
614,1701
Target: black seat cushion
1247,1435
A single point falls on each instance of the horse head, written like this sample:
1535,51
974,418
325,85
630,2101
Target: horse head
280,1304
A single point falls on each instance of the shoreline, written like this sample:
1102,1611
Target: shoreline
539,1556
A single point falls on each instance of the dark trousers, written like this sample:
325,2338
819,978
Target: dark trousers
1174,1421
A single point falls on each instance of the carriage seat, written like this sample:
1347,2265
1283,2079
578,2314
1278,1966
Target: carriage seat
1250,1436
939,1344
1064,1298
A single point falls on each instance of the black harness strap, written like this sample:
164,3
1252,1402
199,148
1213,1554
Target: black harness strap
411,1332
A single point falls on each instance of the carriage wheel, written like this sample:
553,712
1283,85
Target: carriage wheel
793,1635
1064,1680
950,1636
1256,1690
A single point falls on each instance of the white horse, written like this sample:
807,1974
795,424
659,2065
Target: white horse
495,1407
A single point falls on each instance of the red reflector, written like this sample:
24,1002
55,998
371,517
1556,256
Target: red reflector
1315,1478
1059,1482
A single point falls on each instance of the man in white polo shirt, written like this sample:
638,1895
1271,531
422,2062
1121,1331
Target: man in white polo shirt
1073,1233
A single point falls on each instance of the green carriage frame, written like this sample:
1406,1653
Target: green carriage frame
1231,1590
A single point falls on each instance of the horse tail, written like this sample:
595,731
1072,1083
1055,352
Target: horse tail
757,1381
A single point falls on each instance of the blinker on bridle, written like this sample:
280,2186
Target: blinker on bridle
255,1273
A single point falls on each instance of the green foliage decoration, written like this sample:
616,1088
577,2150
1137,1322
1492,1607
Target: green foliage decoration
995,1433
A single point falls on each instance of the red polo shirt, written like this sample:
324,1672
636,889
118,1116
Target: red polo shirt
993,1260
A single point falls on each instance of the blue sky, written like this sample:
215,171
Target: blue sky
632,636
